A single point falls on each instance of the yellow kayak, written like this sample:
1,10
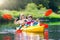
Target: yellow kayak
34,29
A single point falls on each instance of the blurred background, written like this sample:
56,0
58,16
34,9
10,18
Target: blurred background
37,8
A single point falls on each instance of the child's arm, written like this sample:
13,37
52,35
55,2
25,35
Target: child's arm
16,22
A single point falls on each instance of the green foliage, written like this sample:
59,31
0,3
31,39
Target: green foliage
9,25
32,9
54,15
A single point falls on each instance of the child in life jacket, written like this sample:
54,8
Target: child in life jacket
30,20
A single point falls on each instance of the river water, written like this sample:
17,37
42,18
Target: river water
53,33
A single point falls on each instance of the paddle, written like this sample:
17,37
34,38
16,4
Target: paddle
47,13
18,31
44,24
7,16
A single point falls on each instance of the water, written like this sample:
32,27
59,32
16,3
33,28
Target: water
7,36
53,31
29,36
22,36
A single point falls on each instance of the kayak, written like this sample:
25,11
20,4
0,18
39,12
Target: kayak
33,29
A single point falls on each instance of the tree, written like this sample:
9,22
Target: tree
53,6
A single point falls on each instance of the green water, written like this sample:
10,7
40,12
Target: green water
2,36
52,35
53,30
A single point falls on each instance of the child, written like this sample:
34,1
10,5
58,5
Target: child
30,20
21,21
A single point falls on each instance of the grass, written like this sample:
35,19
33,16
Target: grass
54,23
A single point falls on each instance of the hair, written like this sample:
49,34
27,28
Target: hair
21,15
30,16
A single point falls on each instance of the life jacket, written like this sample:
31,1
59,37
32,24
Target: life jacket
30,22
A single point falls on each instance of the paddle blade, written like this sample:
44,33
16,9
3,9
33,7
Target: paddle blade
45,25
18,31
48,12
7,16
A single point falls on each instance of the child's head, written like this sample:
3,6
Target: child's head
30,17
22,16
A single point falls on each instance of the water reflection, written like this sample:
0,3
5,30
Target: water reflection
53,30
29,36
